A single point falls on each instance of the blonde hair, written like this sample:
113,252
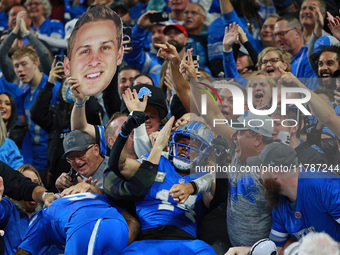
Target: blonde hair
29,167
283,55
3,131
25,51
271,81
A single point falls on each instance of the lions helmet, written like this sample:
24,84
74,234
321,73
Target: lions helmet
200,138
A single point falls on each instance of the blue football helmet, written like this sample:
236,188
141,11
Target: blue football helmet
200,138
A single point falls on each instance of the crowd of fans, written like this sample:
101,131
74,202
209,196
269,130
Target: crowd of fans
131,122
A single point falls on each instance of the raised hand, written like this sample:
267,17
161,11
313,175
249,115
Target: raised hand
167,51
231,35
242,35
187,66
132,101
55,72
334,25
163,136
144,20
287,78
75,87
319,22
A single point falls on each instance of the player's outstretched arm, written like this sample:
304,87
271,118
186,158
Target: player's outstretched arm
137,187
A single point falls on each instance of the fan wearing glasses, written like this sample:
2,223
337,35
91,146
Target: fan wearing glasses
287,34
82,153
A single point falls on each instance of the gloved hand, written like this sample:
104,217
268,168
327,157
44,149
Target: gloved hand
135,119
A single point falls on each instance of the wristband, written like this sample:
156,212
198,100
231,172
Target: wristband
195,188
46,193
26,34
124,136
80,105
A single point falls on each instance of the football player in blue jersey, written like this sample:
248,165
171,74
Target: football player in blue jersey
303,201
86,222
167,227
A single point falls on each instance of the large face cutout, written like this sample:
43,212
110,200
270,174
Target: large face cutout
95,56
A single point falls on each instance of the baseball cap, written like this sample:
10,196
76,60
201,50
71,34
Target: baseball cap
177,26
156,98
69,28
77,140
261,124
275,154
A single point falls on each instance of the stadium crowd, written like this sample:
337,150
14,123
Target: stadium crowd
170,127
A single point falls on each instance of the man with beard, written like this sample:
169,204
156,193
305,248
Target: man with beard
328,63
302,201
177,36
146,62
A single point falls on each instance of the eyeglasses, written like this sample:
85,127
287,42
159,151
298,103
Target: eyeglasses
193,13
79,155
34,3
272,61
282,33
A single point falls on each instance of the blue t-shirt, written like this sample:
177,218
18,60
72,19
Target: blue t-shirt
317,209
39,137
159,208
52,28
302,69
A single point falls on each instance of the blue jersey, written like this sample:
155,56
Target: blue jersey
302,69
317,209
159,208
52,28
15,223
38,136
57,223
100,139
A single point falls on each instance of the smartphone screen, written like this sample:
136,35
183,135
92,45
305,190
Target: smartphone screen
159,17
